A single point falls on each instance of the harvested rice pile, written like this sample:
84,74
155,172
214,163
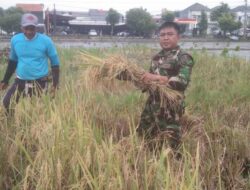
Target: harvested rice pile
118,67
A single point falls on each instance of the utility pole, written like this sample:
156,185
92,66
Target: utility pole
54,19
245,20
48,21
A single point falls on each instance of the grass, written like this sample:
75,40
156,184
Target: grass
85,138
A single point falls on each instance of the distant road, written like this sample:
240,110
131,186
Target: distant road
239,49
193,43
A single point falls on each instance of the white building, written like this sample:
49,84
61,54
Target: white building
194,12
240,14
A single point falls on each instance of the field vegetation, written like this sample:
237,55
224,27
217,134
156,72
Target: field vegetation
85,137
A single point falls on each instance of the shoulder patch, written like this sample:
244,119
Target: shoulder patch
185,54
185,58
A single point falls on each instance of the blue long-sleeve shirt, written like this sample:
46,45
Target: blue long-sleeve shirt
32,56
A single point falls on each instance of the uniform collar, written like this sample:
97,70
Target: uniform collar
172,51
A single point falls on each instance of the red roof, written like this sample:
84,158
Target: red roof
31,7
186,20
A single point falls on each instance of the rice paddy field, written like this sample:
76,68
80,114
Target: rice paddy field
85,137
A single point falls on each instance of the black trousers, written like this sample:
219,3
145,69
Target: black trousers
24,88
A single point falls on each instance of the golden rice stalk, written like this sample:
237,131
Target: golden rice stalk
117,67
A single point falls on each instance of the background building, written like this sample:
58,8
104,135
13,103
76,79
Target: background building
192,15
82,22
36,9
240,14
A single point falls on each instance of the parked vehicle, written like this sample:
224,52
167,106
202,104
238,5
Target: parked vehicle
41,28
187,34
92,32
217,33
240,32
234,38
125,34
63,33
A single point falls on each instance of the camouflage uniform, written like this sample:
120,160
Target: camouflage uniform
177,66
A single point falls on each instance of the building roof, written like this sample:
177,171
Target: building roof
92,14
91,22
197,7
70,13
30,7
97,12
214,8
186,21
240,9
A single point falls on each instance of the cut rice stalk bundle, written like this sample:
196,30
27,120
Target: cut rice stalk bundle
118,67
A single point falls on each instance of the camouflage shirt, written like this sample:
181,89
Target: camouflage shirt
176,65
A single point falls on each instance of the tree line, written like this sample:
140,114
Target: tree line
138,20
10,19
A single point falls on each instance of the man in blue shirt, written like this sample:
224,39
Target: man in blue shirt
29,56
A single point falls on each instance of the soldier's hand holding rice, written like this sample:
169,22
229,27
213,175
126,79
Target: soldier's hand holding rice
148,77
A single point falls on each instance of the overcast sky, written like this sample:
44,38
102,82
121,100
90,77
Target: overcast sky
153,6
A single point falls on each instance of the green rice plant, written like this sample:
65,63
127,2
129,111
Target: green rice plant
86,137
237,48
225,52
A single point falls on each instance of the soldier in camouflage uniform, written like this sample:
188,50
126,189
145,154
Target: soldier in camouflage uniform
171,67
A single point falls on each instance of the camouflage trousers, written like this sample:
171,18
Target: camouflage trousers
156,120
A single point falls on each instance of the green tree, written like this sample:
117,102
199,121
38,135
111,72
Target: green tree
227,23
10,20
217,12
1,17
203,24
140,22
167,16
112,18
1,12
177,13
